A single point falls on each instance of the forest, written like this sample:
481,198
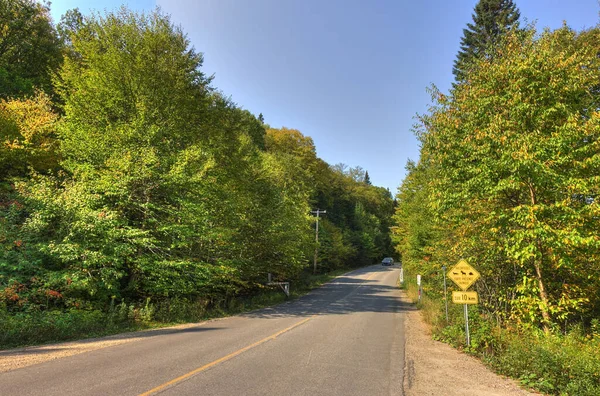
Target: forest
133,190
135,193
508,179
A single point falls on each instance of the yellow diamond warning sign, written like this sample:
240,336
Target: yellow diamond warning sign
463,274
465,297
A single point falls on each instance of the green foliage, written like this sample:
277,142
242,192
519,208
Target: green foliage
27,137
414,229
558,365
39,327
356,227
334,250
30,49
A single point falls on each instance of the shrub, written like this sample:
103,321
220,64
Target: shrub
555,364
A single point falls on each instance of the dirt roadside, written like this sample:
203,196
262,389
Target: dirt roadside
12,359
434,368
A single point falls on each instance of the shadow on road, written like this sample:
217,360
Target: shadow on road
343,295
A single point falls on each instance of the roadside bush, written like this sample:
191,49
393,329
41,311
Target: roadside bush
50,326
554,364
38,327
179,310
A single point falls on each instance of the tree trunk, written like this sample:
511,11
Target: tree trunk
537,265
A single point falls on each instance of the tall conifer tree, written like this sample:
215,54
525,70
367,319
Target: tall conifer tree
367,178
490,20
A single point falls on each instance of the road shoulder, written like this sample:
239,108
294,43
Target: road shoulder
12,359
434,368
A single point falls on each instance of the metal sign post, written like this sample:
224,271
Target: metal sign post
445,292
467,325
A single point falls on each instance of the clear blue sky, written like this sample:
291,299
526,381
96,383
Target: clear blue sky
350,74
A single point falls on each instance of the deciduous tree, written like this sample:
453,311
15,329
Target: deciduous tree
30,50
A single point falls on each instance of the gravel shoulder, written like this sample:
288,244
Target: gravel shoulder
435,368
12,359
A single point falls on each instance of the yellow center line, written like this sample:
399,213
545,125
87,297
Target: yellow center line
369,277
223,359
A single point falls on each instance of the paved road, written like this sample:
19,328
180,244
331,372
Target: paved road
345,338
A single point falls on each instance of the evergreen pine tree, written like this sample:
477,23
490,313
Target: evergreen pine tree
367,178
490,20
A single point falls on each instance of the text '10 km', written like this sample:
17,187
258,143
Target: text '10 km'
465,297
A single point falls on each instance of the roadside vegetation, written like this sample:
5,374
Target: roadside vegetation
508,179
133,192
45,326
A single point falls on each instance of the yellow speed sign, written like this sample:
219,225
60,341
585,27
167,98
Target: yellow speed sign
465,297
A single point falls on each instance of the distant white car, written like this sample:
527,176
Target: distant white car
387,261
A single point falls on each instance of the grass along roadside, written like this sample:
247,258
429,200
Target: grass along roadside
555,364
42,327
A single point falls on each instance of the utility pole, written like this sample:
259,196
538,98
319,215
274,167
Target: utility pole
317,212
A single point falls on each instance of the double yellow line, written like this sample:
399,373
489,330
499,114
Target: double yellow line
223,359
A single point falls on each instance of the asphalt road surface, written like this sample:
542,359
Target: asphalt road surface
345,338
